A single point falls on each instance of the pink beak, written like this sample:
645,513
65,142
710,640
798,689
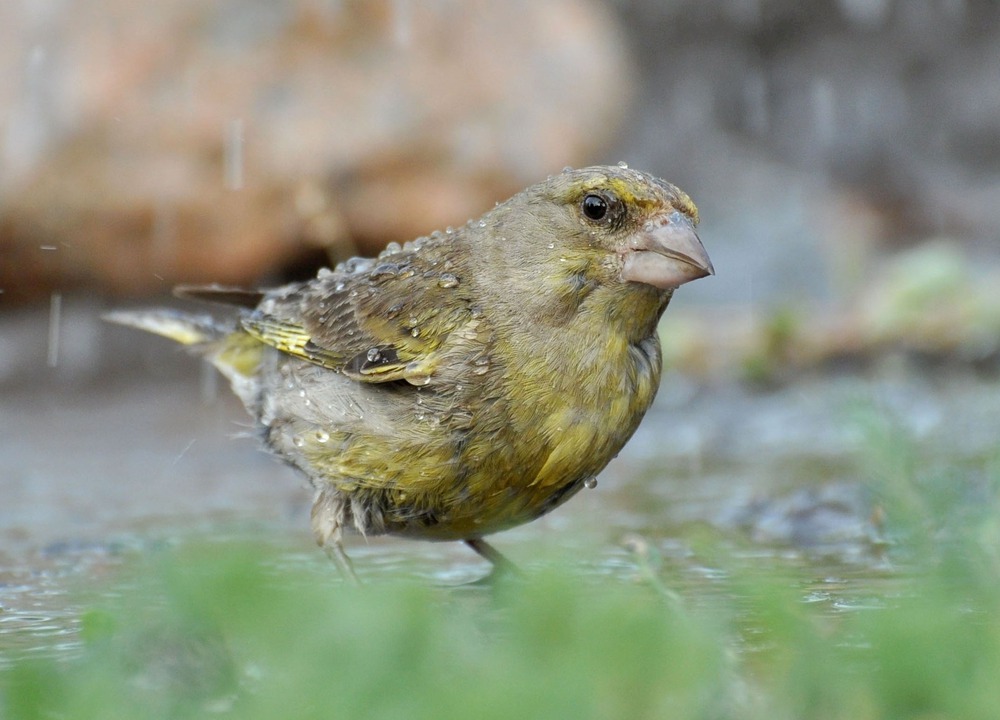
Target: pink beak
666,254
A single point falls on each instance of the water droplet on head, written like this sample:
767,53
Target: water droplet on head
567,169
590,483
374,354
551,246
297,441
348,266
391,249
447,280
384,270
302,393
394,310
482,223
624,166
322,436
449,230
415,332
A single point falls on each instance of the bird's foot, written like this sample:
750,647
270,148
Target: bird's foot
335,551
502,567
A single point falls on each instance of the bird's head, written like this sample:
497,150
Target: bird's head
635,227
608,237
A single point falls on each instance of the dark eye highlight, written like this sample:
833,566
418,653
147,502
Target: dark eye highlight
594,207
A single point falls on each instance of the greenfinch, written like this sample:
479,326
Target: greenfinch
468,381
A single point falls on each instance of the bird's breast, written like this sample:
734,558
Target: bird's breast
571,424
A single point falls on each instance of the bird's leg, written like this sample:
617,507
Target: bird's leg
334,550
501,565
328,515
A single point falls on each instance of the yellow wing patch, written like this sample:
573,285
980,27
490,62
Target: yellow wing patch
292,339
286,337
376,364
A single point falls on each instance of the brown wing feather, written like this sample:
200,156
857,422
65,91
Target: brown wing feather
380,323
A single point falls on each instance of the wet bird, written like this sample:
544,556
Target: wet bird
468,381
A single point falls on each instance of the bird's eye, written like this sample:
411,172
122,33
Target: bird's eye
595,207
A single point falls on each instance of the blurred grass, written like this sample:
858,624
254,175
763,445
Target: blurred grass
229,630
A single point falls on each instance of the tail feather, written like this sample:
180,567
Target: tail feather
236,354
185,328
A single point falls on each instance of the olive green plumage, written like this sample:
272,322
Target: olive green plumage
471,380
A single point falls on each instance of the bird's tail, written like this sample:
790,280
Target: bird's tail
185,328
235,353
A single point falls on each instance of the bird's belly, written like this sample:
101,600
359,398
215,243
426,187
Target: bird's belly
482,516
409,466
512,480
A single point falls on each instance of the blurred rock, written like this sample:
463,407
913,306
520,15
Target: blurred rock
833,517
934,300
146,143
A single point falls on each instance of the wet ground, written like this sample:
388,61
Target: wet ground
99,465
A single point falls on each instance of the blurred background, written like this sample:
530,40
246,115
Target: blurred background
844,154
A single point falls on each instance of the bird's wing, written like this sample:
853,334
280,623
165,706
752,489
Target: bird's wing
386,322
